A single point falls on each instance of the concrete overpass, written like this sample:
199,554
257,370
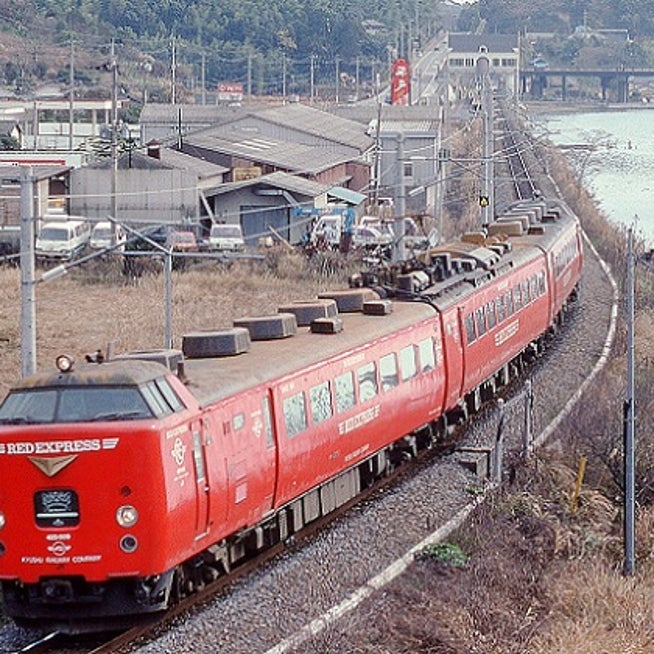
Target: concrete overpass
533,81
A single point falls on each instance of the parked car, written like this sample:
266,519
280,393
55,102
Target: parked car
370,237
106,234
182,241
62,239
226,238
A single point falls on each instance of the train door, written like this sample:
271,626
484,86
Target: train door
252,458
201,481
263,428
452,355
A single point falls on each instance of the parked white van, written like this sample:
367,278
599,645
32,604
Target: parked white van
226,238
62,239
105,234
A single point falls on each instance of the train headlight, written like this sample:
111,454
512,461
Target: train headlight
127,516
2,520
64,363
128,544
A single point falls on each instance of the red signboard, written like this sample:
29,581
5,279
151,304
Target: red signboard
230,92
400,82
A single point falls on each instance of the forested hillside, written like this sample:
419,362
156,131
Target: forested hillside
561,16
277,46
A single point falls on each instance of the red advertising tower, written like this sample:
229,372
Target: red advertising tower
400,82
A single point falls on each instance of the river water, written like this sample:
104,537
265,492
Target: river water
614,153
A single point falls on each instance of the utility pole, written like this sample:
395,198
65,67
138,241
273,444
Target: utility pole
312,90
204,78
629,421
338,78
173,72
284,77
27,286
114,131
486,198
249,80
71,97
399,250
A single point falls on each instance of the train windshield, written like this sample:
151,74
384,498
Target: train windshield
74,404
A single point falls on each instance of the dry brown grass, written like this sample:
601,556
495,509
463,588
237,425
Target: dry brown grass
80,313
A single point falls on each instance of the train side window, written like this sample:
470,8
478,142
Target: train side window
267,421
238,421
508,300
408,366
525,291
480,319
344,387
490,315
517,298
169,393
320,400
501,308
388,372
427,357
295,414
533,287
542,288
471,335
367,378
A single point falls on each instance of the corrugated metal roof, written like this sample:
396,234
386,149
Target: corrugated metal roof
202,168
347,195
295,157
415,127
318,123
281,180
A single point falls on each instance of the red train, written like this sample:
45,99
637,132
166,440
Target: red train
126,484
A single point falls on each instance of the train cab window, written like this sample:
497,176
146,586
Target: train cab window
367,378
156,401
427,357
408,366
471,334
29,407
295,414
169,394
388,372
344,388
74,404
490,315
480,319
320,399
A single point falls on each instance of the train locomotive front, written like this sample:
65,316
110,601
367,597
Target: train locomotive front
98,545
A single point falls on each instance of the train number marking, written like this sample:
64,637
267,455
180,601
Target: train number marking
507,332
356,421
